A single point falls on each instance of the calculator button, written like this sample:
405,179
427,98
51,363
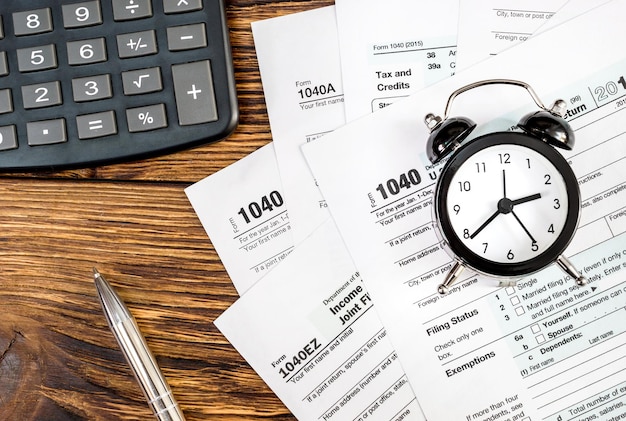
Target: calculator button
181,6
46,132
186,37
1,29
4,67
81,14
92,88
136,44
142,119
36,58
41,95
142,81
131,9
32,22
8,138
86,51
195,98
6,102
96,125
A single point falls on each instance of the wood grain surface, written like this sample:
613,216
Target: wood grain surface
58,358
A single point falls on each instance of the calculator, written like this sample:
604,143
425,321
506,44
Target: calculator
85,83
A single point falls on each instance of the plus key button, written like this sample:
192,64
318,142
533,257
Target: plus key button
195,97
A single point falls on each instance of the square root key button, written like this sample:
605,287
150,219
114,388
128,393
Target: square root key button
142,81
195,97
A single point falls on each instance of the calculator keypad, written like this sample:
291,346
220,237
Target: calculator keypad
78,74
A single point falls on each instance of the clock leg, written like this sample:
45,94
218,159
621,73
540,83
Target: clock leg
569,268
451,277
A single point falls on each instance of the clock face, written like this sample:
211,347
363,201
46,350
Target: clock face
507,204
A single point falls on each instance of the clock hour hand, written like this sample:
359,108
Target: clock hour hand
526,199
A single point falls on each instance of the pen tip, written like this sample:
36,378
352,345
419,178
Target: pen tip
96,274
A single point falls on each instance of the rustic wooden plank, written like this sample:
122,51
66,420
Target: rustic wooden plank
58,358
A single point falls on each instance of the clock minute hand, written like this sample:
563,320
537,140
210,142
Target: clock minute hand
524,227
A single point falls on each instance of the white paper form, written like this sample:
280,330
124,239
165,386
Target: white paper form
392,48
545,349
571,9
311,332
243,210
299,61
487,27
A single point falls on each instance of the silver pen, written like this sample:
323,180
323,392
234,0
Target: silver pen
137,353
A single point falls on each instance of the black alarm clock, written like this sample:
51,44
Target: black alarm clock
507,203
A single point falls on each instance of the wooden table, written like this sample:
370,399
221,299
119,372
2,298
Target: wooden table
58,358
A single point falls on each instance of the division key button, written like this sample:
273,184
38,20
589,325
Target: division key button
195,97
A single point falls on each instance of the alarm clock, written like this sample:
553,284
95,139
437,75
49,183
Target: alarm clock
506,203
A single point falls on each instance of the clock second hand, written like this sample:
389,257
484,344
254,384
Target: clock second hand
487,222
497,212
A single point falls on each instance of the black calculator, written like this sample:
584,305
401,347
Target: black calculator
86,83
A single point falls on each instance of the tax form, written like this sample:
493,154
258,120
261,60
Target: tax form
301,77
487,27
571,9
544,349
310,330
249,227
392,48
308,326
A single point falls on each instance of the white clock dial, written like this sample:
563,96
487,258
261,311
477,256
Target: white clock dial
507,203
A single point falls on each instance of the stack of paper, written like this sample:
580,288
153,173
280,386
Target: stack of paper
339,312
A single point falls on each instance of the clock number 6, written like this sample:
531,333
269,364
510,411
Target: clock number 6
510,255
